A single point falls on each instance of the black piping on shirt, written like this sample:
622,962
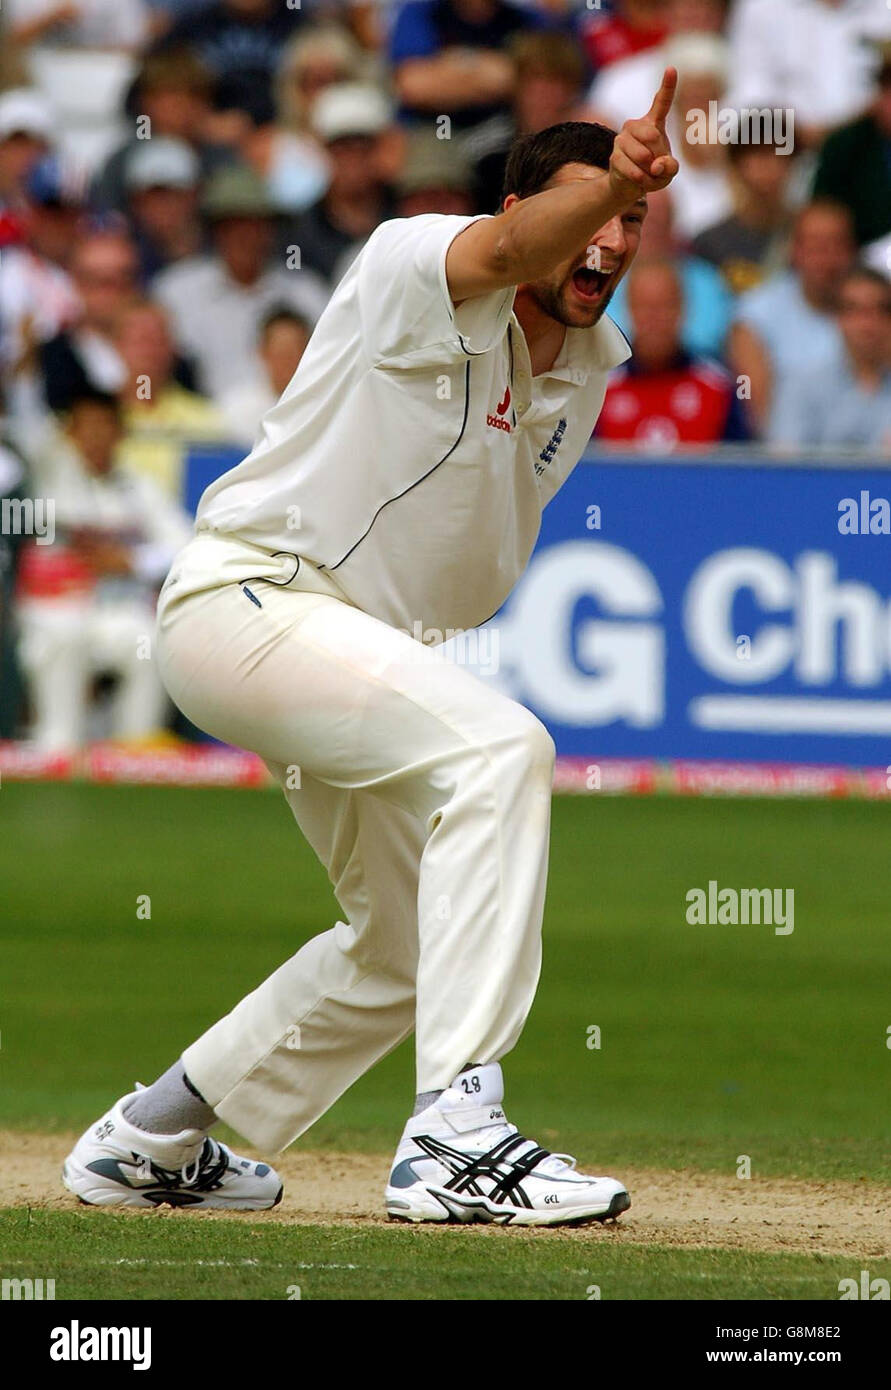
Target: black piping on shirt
404,493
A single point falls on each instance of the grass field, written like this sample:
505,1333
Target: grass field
716,1041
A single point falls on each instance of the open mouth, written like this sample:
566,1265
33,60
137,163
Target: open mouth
590,284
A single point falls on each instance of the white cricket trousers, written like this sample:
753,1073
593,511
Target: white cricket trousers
426,796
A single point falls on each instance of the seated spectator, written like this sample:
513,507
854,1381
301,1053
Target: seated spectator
625,89
241,43
26,134
810,55
708,303
216,302
86,602
789,323
162,178
283,339
848,402
435,177
286,152
752,242
102,24
701,192
171,96
550,74
13,489
629,28
37,297
349,119
447,58
104,269
855,163
663,397
161,417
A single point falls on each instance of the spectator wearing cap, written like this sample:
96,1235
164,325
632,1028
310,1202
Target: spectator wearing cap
162,178
788,324
286,152
171,97
855,162
708,303
217,301
26,135
161,416
435,177
752,242
350,120
848,404
280,347
37,297
664,397
630,27
448,56
241,43
550,74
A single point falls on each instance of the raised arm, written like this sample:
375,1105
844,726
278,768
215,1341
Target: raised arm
534,235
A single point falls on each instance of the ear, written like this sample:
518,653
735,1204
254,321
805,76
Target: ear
509,201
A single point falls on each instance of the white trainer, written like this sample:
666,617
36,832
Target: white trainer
114,1164
459,1160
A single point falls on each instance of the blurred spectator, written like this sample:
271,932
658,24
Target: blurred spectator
162,179
848,401
663,396
625,89
26,134
37,297
752,242
809,55
447,57
13,487
631,27
855,163
161,417
550,74
216,302
86,601
349,119
286,152
435,177
171,96
104,24
701,192
788,323
241,43
708,303
283,339
104,269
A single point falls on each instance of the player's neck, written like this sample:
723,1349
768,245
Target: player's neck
544,335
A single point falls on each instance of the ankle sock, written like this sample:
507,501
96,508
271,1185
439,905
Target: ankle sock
170,1105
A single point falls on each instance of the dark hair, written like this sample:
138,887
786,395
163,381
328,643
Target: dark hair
86,394
869,275
534,159
282,313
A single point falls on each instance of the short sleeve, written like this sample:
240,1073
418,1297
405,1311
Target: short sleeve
414,35
406,311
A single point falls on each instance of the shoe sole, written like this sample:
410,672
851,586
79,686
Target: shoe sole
480,1211
82,1185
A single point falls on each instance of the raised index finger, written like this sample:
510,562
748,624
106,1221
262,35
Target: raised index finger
664,97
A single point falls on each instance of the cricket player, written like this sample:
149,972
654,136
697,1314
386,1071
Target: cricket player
448,390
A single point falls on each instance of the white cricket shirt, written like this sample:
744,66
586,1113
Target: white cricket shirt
411,456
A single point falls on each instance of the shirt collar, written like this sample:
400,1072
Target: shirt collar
597,349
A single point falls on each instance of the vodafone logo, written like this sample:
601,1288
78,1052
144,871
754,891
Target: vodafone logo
497,421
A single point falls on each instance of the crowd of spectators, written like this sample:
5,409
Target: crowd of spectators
184,182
